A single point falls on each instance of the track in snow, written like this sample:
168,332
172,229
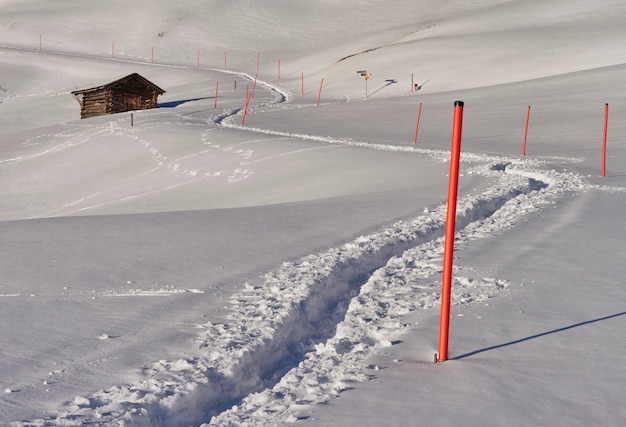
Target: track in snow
304,333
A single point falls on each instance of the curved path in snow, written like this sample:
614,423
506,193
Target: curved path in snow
307,331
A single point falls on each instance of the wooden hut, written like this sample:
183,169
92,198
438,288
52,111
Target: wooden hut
132,92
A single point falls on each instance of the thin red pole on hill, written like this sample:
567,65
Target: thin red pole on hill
217,87
302,84
417,125
279,69
446,288
253,86
606,127
319,93
225,67
245,108
526,131
113,50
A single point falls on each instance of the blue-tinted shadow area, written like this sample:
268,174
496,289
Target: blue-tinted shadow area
543,334
174,104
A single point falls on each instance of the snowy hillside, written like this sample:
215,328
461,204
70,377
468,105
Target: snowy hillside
199,266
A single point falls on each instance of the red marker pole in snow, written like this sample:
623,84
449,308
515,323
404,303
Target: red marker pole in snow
113,50
417,125
455,157
319,93
526,131
225,67
217,87
152,56
302,84
279,69
606,127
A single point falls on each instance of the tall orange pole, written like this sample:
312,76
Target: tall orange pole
606,126
446,288
217,87
526,131
417,125
319,93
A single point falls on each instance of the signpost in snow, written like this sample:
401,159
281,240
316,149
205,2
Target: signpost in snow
455,157
367,76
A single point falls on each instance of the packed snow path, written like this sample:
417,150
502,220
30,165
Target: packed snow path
307,331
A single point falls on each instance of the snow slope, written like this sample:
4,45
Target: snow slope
196,269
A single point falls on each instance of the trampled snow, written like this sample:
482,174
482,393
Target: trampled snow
202,267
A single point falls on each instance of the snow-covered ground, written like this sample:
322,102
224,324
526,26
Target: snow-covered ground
196,269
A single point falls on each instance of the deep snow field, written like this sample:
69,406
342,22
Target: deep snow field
197,268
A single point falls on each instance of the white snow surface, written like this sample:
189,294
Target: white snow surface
211,266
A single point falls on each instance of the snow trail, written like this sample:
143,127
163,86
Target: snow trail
306,332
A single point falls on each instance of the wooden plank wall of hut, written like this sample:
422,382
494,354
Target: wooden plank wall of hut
96,104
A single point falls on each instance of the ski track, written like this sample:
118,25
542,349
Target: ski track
306,333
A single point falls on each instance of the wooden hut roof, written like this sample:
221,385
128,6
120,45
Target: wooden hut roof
120,82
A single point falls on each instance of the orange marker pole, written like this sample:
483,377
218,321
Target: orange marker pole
606,126
319,93
217,87
253,86
417,125
245,108
455,157
526,131
302,84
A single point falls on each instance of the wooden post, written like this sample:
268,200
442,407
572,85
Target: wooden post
132,120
